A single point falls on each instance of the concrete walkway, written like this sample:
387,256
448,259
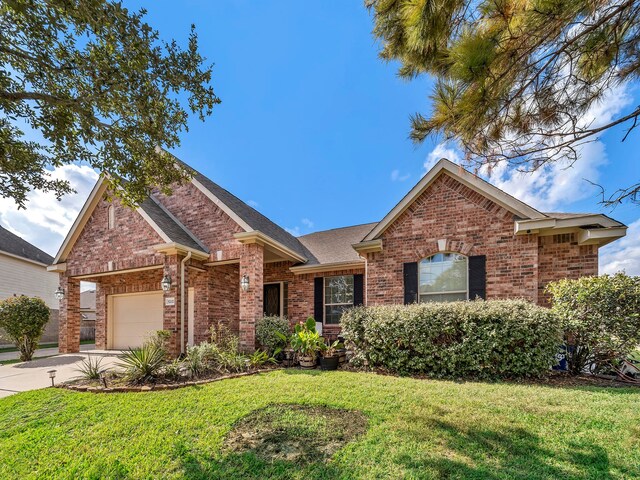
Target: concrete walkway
42,352
21,377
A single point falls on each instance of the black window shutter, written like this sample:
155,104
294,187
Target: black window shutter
318,299
477,277
358,290
410,282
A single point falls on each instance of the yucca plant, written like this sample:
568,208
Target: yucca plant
90,368
142,364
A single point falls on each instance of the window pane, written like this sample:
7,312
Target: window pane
333,313
443,297
442,273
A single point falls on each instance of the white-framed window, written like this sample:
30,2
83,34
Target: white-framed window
111,217
338,296
443,277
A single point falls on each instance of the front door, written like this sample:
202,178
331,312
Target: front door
272,299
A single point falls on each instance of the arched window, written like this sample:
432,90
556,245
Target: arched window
111,217
443,277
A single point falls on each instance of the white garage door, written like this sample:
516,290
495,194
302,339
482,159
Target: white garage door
134,317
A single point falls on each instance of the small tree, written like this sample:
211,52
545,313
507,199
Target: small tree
271,333
23,319
600,317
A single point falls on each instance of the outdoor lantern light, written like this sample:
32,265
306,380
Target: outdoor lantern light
166,283
59,293
52,375
244,283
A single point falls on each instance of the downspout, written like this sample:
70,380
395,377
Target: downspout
182,264
366,279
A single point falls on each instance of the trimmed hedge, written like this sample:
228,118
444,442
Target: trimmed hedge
480,339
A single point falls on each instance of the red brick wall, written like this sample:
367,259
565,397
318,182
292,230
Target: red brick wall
471,225
560,256
204,219
127,245
251,265
300,289
224,288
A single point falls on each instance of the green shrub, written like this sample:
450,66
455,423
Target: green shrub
481,339
194,361
90,368
270,332
223,338
23,320
600,317
142,364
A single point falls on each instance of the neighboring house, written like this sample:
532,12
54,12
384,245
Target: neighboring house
23,271
88,315
454,236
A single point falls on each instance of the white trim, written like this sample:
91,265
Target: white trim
154,225
58,268
466,178
256,236
220,204
94,197
222,262
371,246
191,295
326,267
119,272
174,248
600,236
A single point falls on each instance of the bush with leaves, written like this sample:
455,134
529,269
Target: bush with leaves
23,320
600,317
479,339
142,364
270,331
90,368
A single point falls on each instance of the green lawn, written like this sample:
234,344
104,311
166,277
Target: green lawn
413,429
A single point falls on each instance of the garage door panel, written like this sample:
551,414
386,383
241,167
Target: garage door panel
134,318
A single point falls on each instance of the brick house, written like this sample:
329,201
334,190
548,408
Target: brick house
178,262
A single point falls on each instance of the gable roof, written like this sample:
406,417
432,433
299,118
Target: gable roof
247,217
334,246
15,246
517,207
168,226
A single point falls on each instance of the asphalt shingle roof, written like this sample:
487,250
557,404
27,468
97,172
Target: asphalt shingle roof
15,245
175,230
335,246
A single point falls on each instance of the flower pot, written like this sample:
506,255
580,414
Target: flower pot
329,363
308,361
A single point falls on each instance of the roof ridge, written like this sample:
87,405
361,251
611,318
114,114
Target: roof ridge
178,222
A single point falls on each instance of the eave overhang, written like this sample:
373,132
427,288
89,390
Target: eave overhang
590,229
370,246
173,248
256,236
326,267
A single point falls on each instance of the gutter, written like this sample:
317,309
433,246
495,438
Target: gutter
182,264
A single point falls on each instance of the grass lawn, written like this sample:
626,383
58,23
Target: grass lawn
412,429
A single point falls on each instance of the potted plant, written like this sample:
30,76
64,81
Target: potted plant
306,342
330,357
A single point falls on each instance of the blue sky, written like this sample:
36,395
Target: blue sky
313,126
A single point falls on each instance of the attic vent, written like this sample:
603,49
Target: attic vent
111,217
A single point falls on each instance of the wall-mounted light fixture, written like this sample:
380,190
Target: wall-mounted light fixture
166,283
59,293
244,283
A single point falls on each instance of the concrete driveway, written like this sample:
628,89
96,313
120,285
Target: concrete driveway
21,377
43,352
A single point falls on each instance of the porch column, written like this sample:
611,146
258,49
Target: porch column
251,265
171,302
69,316
101,317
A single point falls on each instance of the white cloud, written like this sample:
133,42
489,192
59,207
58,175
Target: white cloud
558,184
442,150
397,177
46,220
623,254
253,203
298,230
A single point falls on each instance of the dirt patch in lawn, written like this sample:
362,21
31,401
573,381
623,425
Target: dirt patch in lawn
295,433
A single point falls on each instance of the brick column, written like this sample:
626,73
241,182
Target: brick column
251,264
101,317
69,316
171,321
